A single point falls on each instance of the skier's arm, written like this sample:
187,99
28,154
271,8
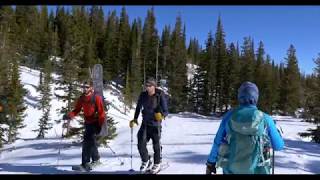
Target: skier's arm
138,107
101,112
218,138
164,106
276,139
76,110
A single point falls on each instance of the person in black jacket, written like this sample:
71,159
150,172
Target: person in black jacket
154,111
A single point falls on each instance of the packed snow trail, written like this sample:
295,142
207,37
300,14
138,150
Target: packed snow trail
186,140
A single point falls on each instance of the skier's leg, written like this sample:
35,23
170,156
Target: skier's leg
142,144
156,136
94,151
86,148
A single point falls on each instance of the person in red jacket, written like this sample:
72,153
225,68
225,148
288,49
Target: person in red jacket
94,117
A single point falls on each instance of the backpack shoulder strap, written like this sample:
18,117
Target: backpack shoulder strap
81,98
93,101
158,96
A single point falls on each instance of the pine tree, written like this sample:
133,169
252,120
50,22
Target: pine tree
27,18
112,132
260,77
12,92
208,68
312,99
290,91
193,51
278,71
309,84
52,36
127,91
43,54
232,80
7,21
220,56
3,118
164,52
123,45
16,105
45,91
135,65
149,45
62,26
316,112
193,55
85,45
268,88
70,67
258,70
110,55
124,62
247,60
177,69
97,28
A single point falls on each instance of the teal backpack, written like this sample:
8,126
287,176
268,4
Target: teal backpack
246,147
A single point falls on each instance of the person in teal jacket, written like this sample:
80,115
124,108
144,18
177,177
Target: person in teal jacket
248,94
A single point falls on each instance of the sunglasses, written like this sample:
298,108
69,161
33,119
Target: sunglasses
86,87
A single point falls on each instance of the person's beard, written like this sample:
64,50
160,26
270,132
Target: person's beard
88,92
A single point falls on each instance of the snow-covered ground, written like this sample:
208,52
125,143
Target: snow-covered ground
186,139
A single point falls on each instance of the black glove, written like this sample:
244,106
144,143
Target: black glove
66,117
211,168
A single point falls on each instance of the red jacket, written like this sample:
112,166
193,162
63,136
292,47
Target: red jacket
89,109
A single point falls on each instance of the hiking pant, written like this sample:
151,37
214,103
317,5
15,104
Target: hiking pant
144,135
89,145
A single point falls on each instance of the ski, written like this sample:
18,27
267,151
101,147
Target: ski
79,168
97,79
92,166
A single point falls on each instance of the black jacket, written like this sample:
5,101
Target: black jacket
151,105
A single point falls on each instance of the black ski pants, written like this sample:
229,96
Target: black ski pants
146,133
89,145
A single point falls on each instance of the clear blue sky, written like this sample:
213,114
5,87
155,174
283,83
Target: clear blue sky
276,26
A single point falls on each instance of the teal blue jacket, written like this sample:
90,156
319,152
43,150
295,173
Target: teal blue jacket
276,139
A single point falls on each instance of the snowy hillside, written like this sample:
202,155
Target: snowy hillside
30,80
191,70
186,139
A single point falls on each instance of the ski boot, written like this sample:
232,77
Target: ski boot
155,169
96,163
145,166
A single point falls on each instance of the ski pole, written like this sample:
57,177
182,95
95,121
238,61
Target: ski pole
114,153
131,148
272,161
59,149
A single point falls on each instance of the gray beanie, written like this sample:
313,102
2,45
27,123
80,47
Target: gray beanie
151,81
